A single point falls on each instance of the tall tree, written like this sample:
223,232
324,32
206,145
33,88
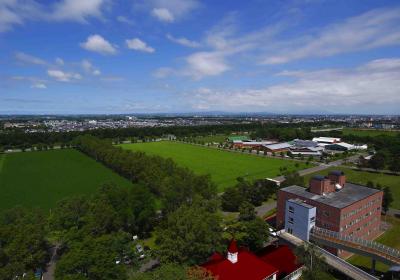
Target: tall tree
190,234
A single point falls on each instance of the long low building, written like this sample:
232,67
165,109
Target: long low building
276,148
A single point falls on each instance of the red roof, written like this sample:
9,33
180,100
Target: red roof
248,267
280,257
232,248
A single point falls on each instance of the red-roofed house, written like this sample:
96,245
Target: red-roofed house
271,264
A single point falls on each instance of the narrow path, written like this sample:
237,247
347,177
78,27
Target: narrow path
51,266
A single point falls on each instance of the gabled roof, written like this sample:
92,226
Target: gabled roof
248,267
280,257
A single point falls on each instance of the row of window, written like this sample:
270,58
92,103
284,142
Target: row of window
358,220
364,206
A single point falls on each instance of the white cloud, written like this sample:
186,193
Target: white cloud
138,45
97,43
126,20
168,10
17,12
77,10
163,72
39,86
203,64
62,76
89,68
373,29
362,89
163,14
59,61
29,59
183,41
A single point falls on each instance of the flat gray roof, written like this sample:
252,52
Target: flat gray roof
348,195
301,202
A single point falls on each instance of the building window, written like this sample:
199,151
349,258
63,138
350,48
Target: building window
312,219
290,230
290,220
291,209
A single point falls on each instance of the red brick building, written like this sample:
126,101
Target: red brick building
343,207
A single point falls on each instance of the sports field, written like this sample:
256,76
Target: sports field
223,166
40,179
362,177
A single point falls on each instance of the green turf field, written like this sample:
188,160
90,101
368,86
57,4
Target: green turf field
362,177
223,166
369,132
43,178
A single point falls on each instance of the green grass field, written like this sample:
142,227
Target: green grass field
362,177
223,166
40,179
390,238
369,132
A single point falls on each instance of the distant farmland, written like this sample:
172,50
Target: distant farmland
223,166
40,179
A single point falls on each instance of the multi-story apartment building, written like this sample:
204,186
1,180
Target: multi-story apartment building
343,207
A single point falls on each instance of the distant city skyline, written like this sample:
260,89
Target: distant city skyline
182,56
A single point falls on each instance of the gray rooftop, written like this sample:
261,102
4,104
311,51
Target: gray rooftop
301,202
348,195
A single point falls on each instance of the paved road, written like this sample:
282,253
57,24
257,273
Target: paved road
51,266
332,260
320,167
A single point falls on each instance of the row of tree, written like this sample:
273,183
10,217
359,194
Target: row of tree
172,184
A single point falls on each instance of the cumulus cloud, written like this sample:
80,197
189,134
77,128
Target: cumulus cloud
183,41
77,10
89,68
124,19
373,29
138,45
29,59
62,76
168,10
163,14
97,43
203,64
332,90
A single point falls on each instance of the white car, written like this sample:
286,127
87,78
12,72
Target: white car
272,232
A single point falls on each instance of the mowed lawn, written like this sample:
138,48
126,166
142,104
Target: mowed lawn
40,179
223,166
362,177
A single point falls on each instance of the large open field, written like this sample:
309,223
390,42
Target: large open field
369,132
223,166
362,177
43,178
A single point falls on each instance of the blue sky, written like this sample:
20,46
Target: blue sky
150,56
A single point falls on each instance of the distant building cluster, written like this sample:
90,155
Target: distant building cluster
297,147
